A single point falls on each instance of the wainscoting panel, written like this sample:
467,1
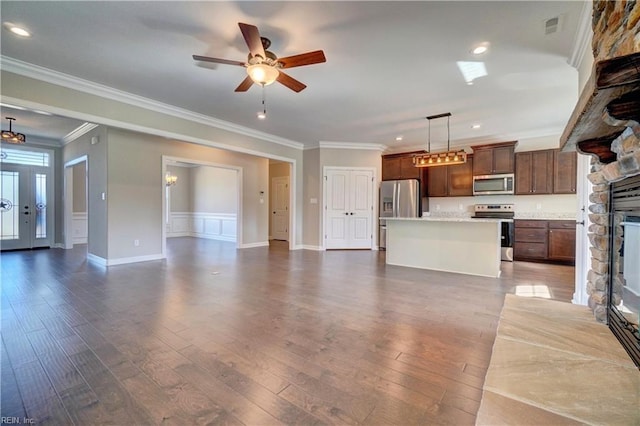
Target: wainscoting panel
79,227
215,226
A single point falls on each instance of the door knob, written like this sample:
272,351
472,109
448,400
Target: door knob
26,213
351,213
346,214
274,212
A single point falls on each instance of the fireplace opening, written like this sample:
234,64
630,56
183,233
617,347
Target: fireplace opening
624,280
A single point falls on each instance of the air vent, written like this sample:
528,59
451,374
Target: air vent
551,25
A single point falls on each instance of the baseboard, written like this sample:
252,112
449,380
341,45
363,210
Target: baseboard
96,259
57,245
310,247
134,259
123,260
252,245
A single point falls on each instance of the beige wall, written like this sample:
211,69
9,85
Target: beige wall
214,190
97,185
312,192
80,188
136,183
73,103
180,193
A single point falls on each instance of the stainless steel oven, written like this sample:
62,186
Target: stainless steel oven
500,211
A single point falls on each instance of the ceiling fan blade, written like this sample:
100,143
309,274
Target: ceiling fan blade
308,58
252,38
245,85
218,60
290,82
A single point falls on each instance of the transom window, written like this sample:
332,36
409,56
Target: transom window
22,157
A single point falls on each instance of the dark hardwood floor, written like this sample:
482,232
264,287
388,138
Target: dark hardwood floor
215,335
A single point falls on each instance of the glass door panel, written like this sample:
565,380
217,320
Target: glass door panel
25,220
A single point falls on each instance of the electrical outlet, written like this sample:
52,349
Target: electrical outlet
460,207
437,207
136,243
538,206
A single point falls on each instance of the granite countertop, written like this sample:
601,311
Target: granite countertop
545,216
446,219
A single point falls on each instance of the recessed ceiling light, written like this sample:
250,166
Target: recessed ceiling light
17,30
476,126
262,115
399,138
480,49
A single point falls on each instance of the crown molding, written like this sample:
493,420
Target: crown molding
583,37
77,132
65,80
353,145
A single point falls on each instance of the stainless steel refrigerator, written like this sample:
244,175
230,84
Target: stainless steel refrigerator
398,198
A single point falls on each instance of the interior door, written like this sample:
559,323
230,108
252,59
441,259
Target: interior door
280,208
349,209
25,219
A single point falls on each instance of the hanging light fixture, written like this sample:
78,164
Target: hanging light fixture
263,114
11,136
170,179
448,158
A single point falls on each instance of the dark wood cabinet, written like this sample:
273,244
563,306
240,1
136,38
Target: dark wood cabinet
493,159
438,181
545,172
545,240
564,172
534,172
399,166
451,181
562,240
530,240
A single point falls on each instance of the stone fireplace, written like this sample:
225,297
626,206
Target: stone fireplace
606,124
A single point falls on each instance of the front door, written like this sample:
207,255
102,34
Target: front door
25,217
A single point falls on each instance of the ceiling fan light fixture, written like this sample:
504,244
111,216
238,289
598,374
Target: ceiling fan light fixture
263,74
11,136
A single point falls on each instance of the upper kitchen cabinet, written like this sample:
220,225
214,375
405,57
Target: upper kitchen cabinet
399,166
564,172
492,159
451,181
534,172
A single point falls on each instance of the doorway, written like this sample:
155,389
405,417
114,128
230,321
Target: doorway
26,198
204,200
76,202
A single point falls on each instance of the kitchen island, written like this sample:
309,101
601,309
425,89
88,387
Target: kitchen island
452,244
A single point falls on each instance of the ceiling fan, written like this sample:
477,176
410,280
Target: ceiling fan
263,66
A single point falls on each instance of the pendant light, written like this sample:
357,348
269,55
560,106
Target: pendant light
11,136
448,158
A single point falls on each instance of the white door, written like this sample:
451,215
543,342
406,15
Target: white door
280,208
349,209
25,219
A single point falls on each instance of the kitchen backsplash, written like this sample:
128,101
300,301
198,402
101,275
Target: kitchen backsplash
560,207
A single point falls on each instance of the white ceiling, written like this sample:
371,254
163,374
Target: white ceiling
389,64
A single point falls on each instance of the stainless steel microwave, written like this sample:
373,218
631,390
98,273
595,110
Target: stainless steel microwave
493,184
